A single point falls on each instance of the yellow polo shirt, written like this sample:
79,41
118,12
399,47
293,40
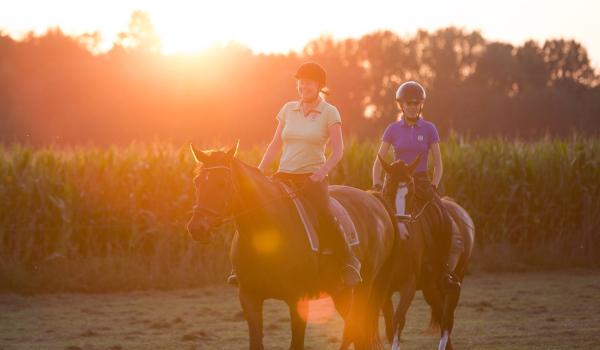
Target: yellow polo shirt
304,137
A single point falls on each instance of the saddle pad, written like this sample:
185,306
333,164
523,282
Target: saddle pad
311,233
340,213
344,221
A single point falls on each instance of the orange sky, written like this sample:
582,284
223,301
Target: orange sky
278,26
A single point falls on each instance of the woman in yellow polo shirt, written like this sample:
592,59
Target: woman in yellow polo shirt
304,127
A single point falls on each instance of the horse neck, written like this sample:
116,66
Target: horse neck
263,211
257,197
251,184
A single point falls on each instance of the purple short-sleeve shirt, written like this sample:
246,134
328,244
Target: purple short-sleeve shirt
410,141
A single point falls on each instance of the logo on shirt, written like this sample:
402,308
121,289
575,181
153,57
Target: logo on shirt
420,137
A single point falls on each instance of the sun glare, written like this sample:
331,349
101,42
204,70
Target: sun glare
189,27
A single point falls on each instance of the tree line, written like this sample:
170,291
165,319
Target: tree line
58,89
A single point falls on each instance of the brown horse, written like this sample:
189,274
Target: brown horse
274,257
417,264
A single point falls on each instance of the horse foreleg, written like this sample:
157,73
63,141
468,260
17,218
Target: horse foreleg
252,308
447,324
343,304
407,295
298,316
388,314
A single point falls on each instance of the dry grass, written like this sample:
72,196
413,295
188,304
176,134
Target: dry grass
551,310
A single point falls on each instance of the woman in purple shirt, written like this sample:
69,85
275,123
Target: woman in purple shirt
412,136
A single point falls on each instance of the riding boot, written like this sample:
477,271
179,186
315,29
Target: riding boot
350,264
449,279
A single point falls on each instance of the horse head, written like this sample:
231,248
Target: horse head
399,175
215,191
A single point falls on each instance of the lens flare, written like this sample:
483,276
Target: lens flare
322,310
266,242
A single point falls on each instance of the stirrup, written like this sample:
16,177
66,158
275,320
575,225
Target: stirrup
351,276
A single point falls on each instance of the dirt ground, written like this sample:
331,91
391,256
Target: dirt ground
547,310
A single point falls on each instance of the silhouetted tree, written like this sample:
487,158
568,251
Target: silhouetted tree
56,88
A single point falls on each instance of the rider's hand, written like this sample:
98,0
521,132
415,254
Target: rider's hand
318,175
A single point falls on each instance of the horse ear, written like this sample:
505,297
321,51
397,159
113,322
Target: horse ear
233,150
386,166
415,163
199,156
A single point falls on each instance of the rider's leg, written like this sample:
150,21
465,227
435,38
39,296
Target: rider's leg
456,249
329,229
447,236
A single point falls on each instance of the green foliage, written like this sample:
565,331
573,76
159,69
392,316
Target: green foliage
93,219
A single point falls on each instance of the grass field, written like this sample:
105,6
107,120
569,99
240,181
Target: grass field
549,310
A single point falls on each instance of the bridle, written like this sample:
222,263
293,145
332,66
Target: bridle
226,215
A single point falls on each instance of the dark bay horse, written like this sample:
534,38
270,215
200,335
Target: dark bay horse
274,259
417,260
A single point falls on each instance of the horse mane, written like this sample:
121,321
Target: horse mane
249,171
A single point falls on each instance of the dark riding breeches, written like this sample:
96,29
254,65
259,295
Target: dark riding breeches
316,196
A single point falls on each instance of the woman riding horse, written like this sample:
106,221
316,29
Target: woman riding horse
304,127
413,136
411,270
271,253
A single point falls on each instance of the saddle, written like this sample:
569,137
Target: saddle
340,215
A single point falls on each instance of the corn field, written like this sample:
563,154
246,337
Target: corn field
104,219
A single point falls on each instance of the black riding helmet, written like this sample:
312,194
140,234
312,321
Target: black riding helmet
312,71
411,91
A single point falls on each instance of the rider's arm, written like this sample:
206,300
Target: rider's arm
336,142
273,149
438,167
377,173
